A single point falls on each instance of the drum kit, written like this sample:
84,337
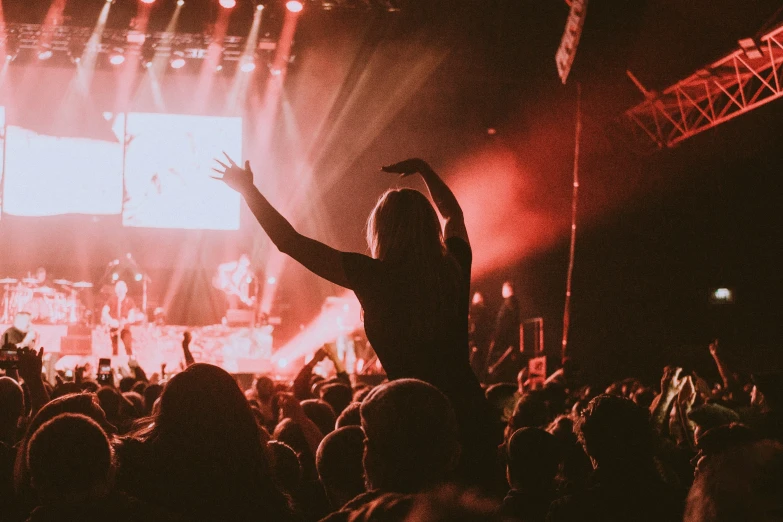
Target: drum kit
46,305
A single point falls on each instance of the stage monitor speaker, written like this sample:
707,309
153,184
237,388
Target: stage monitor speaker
76,345
237,317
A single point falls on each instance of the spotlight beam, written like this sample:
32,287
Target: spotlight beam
212,59
241,81
85,69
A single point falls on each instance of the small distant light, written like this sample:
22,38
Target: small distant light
722,293
45,54
137,277
8,57
271,280
117,59
275,71
294,6
282,363
248,66
180,3
492,131
178,61
147,64
115,276
78,59
219,68
147,1
260,7
228,4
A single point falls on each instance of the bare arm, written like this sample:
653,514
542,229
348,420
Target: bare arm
441,194
317,257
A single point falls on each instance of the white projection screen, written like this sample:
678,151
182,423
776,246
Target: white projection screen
168,164
50,175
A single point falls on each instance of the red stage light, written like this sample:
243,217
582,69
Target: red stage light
147,1
294,6
228,4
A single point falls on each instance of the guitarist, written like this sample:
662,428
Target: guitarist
238,281
117,314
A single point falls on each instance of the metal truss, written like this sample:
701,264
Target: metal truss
734,85
23,38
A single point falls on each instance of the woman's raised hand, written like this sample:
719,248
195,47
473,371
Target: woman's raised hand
233,175
408,167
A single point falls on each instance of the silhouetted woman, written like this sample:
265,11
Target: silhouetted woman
202,456
414,290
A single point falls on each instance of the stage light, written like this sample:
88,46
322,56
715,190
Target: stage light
45,54
178,60
294,6
228,4
260,7
271,280
115,276
180,3
147,1
116,58
137,277
282,363
248,65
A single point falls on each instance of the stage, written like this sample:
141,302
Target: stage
237,350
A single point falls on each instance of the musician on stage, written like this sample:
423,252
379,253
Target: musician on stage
118,313
505,339
21,332
239,283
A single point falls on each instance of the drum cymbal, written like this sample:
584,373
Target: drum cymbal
44,290
62,282
30,281
82,284
8,281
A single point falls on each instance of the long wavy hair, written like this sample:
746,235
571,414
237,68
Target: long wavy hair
205,442
404,229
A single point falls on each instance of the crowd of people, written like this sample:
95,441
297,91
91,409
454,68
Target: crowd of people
429,444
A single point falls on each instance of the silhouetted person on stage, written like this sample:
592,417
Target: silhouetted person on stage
118,313
480,333
414,290
505,339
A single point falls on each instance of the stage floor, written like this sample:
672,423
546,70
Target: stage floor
237,350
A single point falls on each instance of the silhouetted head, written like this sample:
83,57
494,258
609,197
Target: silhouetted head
285,466
403,225
411,436
339,464
126,384
265,388
741,484
290,433
11,408
205,436
110,400
337,395
531,411
719,440
507,290
70,460
22,321
533,459
80,403
350,416
151,394
321,414
616,433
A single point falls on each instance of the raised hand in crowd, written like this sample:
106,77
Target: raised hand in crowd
233,175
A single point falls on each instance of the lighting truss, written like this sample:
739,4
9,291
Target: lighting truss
740,82
65,38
